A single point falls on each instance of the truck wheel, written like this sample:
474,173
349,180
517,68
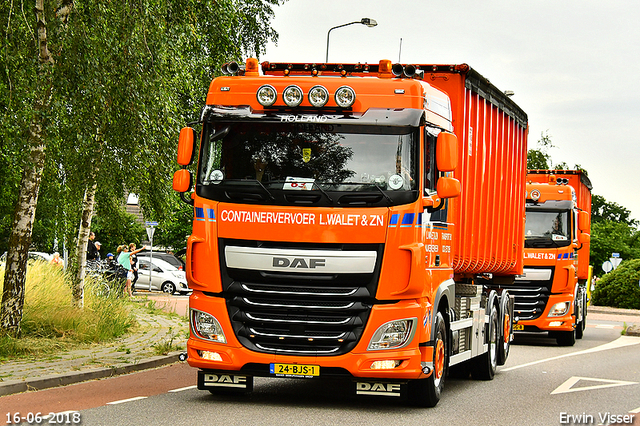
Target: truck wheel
566,338
426,392
485,364
507,332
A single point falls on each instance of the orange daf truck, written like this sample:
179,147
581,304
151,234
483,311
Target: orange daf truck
353,221
551,295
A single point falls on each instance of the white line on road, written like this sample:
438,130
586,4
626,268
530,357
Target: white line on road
126,400
621,342
637,410
183,389
567,386
607,326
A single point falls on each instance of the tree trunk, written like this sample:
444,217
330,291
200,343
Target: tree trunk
88,207
24,214
88,204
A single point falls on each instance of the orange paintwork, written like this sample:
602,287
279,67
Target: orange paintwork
580,183
569,265
483,233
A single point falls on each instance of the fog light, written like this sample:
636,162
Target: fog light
267,95
556,323
318,96
210,356
393,335
559,309
292,96
205,326
345,97
387,364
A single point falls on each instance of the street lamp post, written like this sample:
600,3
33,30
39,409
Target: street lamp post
364,21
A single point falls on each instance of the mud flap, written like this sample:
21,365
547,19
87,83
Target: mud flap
228,381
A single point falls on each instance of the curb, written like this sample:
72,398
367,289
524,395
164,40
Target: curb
613,311
51,381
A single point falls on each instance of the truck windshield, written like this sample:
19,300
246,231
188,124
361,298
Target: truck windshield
276,160
547,229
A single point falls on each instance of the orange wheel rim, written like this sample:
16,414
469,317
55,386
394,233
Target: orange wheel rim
439,361
507,328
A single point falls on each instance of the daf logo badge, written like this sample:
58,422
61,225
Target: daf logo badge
298,262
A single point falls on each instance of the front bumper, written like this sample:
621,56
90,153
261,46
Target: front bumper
233,357
545,322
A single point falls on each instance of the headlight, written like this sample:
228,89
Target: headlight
393,335
559,309
345,97
267,95
318,96
292,96
206,326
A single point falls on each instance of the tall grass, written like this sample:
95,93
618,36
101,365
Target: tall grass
50,321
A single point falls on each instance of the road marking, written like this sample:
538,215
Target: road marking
567,386
621,342
126,400
607,326
183,389
637,410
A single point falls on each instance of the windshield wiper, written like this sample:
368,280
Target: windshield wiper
383,193
323,191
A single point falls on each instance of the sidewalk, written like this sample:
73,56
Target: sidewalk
134,352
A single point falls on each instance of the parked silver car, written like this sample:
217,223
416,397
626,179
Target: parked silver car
162,276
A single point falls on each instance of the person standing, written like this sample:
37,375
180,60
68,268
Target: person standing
97,244
124,259
92,251
134,265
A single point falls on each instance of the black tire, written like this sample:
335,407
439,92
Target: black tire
582,324
169,287
566,338
426,392
506,331
486,364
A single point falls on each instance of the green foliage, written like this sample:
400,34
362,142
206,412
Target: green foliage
539,158
50,321
608,237
126,77
602,210
621,287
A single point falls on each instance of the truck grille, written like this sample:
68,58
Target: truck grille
531,297
298,313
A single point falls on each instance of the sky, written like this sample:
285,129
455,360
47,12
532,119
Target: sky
574,66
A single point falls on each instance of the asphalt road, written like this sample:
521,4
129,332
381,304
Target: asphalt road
541,384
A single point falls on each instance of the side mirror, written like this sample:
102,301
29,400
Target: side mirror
186,143
584,221
182,180
447,152
448,187
584,238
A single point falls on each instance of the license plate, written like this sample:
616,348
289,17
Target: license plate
518,327
297,370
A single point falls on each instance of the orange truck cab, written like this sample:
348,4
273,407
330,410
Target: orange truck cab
551,295
353,221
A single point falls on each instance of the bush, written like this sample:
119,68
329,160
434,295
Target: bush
620,288
50,322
